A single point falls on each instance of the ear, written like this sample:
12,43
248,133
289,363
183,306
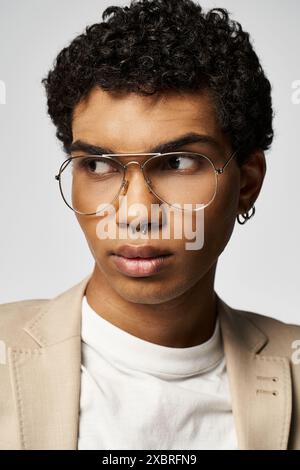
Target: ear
252,174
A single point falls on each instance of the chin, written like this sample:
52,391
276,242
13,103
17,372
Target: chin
143,291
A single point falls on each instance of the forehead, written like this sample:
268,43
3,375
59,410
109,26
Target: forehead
128,121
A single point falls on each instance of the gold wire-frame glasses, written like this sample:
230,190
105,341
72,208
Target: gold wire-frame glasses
123,168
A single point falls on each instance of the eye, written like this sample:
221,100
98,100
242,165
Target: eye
183,162
180,162
99,166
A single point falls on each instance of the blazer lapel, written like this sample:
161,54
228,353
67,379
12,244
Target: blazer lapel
46,378
260,384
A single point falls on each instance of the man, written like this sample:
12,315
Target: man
161,106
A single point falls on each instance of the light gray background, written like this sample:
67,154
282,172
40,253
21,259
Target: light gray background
43,251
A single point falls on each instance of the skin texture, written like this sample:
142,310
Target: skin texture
175,307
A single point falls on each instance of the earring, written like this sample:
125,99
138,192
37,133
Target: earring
246,216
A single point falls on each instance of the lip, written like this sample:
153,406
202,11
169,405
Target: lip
141,261
142,251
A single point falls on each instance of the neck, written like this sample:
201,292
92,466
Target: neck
185,321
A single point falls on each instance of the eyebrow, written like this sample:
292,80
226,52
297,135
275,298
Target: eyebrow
172,145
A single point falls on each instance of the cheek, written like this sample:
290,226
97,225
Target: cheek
89,228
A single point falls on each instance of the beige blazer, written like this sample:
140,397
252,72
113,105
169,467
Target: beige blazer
40,355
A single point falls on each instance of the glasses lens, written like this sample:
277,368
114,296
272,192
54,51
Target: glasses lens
88,181
182,178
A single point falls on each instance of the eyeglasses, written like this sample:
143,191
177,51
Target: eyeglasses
176,179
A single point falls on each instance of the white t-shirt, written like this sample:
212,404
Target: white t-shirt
140,395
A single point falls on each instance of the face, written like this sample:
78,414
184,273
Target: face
129,123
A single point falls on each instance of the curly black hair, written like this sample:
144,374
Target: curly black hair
158,45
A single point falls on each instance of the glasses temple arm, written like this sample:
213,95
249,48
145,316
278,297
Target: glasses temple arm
220,170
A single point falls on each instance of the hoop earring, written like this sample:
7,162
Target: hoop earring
246,216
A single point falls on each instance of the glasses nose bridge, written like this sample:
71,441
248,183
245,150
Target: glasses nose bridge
146,179
141,165
133,162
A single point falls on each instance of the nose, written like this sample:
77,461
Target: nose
136,208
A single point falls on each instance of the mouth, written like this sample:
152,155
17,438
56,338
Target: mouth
141,261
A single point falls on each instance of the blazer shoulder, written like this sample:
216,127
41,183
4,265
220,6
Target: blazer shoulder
19,312
270,323
282,336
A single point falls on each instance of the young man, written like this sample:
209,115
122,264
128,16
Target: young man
160,105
